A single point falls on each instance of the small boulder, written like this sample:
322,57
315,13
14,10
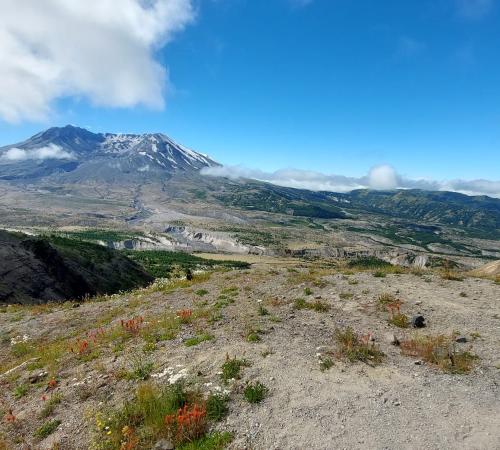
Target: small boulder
35,378
393,339
461,339
164,444
418,322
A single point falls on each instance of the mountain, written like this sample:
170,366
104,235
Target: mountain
39,269
72,154
156,175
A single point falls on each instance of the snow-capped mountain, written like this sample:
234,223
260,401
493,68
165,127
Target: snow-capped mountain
78,154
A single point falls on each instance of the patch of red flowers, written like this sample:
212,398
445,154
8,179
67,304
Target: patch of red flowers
133,326
187,424
185,315
52,383
9,417
83,346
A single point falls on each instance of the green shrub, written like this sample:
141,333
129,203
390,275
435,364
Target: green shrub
212,441
368,262
253,336
263,311
232,368
217,406
47,429
255,392
21,390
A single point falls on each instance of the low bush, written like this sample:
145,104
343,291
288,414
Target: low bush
232,367
217,407
255,392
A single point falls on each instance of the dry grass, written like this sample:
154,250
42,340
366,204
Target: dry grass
441,352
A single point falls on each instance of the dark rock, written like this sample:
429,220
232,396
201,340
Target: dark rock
461,339
35,378
418,322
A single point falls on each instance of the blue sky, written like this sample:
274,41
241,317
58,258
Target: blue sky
335,86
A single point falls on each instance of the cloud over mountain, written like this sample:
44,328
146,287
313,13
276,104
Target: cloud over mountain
102,50
50,151
382,177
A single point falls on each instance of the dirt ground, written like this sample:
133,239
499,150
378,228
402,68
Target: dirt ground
402,403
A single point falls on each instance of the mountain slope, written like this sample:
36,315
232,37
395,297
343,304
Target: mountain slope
57,269
72,154
447,208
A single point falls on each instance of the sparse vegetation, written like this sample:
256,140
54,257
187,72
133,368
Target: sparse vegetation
368,263
326,363
141,420
232,367
212,441
255,392
262,311
441,352
357,348
386,299
198,339
47,428
21,390
217,407
317,305
397,318
448,274
164,264
253,336
50,404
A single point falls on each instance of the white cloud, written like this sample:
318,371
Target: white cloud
383,177
379,177
102,50
51,151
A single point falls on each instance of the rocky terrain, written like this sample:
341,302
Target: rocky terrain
68,372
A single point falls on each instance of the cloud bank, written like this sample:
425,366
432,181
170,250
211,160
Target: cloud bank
382,177
102,50
51,151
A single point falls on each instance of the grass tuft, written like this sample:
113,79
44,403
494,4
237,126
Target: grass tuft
441,352
355,348
232,367
255,392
